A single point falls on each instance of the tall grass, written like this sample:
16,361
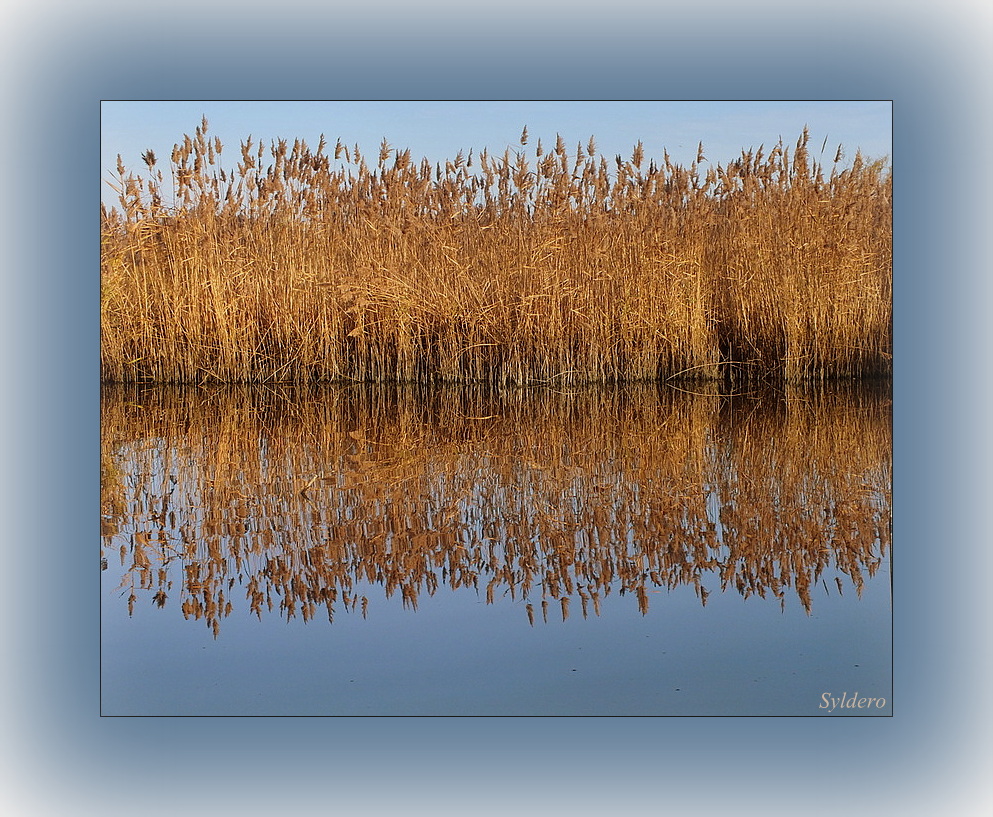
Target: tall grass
537,265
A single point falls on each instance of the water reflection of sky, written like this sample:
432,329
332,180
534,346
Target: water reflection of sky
459,656
556,566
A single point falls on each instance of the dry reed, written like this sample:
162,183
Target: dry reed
297,264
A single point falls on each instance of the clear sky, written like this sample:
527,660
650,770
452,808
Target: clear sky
439,130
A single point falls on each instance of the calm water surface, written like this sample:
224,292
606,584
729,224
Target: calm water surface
453,551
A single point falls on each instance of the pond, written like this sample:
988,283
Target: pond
377,550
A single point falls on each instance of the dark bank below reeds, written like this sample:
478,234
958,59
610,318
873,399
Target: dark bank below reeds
557,266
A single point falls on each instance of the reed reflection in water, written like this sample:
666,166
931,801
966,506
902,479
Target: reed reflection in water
351,503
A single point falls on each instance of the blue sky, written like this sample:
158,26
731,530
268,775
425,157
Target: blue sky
439,130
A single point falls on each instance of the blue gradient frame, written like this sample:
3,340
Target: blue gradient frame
931,757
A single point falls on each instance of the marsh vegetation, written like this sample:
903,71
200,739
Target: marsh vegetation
546,264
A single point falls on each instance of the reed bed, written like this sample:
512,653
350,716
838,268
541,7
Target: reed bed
543,264
313,503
